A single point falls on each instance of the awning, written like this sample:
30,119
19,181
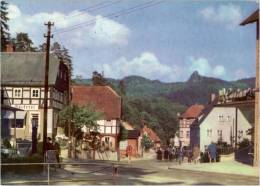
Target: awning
10,115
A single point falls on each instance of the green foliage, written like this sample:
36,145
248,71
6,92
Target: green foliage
244,143
98,79
7,143
123,133
23,43
146,142
5,35
159,114
80,116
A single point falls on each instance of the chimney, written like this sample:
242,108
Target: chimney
10,47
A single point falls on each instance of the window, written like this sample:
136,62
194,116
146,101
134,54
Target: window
107,140
220,134
17,92
19,123
35,93
221,118
35,119
187,134
181,133
209,132
228,118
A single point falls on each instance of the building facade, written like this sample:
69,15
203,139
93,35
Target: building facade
106,101
220,125
22,87
185,120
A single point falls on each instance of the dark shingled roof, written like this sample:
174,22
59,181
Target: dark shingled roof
20,68
104,98
133,134
252,18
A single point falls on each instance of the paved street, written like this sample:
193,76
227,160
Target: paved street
138,173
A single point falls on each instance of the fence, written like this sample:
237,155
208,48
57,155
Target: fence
47,166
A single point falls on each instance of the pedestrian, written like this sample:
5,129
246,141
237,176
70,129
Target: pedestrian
49,144
196,154
170,150
180,154
56,146
159,154
129,151
166,154
212,149
189,156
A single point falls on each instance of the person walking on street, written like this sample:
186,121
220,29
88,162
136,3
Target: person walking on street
129,151
159,154
166,154
196,154
180,155
212,149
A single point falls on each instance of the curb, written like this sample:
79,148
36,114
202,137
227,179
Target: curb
212,172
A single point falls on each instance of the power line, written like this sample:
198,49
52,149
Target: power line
89,22
91,9
111,15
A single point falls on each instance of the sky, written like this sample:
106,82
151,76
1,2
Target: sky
161,40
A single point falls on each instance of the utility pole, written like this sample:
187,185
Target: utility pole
46,84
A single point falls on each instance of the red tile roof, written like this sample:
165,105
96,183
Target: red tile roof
152,135
104,98
193,111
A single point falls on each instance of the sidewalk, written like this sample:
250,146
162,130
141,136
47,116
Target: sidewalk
227,166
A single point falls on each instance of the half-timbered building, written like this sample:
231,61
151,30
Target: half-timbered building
106,101
22,87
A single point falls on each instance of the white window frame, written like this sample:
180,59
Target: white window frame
15,90
35,89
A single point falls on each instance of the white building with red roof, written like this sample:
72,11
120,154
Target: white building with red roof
185,120
106,101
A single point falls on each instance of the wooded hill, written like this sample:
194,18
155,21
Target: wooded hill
157,103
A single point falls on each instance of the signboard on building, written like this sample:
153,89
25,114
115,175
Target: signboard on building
26,107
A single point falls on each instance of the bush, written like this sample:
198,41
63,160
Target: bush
146,142
7,143
244,144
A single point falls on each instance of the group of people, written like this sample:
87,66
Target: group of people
170,153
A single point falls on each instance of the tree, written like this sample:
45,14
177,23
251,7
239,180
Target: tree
5,35
80,117
146,142
23,43
98,79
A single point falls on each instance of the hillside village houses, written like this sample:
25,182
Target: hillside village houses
22,87
106,101
185,120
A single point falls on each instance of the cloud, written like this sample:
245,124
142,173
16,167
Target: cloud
146,65
202,65
229,15
219,70
97,32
